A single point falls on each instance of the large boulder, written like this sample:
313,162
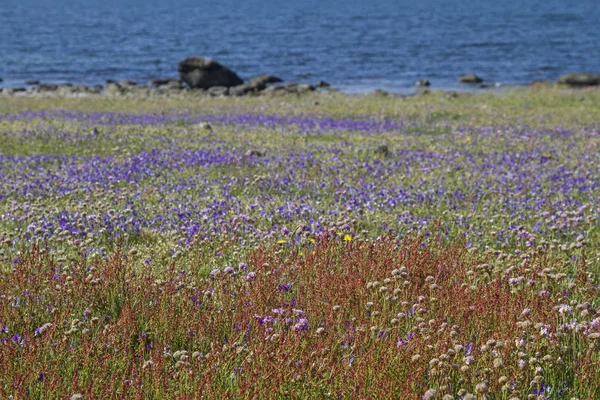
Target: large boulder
580,79
204,73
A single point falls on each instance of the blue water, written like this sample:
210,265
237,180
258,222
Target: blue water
355,45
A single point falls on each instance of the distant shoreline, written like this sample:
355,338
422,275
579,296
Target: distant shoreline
205,76
129,89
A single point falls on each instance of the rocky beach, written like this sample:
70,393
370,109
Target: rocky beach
202,77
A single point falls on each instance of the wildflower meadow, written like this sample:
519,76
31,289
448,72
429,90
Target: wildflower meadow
323,246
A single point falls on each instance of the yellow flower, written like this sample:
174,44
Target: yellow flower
347,238
281,241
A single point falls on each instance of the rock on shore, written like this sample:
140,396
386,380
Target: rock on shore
205,73
199,76
580,79
166,83
264,80
168,88
470,78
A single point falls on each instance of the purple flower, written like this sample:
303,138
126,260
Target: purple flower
563,309
542,389
469,349
263,320
302,325
285,287
544,330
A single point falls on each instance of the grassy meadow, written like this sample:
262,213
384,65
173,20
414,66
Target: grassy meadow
438,246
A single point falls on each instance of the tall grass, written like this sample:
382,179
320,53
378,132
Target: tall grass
335,319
